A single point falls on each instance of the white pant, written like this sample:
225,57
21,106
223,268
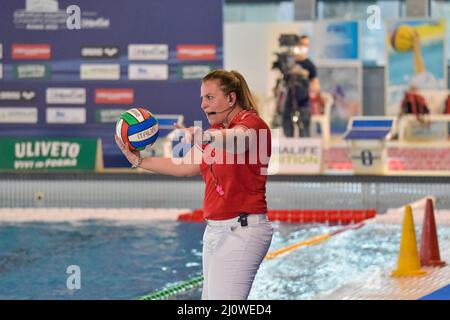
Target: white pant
232,255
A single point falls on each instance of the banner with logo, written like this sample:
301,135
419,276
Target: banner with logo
336,40
296,156
33,154
421,159
416,59
63,64
342,82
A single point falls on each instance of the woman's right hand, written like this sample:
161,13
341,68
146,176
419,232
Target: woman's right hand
134,157
191,134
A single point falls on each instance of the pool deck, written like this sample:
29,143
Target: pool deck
381,285
76,214
385,287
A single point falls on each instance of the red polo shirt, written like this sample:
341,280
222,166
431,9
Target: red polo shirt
243,184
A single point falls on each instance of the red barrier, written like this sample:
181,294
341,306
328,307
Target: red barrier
331,217
194,216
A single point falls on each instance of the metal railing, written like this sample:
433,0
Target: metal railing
87,190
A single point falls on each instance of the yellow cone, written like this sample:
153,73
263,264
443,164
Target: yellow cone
408,258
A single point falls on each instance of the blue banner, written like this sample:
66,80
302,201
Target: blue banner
98,55
336,40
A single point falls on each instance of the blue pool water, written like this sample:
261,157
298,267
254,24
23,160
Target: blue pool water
127,260
117,261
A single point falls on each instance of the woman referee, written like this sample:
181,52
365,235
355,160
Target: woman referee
238,233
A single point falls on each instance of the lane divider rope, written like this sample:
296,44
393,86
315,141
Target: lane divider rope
187,285
310,241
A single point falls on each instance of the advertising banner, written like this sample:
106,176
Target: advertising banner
419,159
416,59
33,154
296,156
336,40
343,81
93,56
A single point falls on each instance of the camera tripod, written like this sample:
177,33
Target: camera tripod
298,116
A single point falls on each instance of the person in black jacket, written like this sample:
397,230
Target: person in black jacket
303,83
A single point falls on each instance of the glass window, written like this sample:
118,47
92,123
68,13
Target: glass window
328,9
441,9
259,12
372,40
373,43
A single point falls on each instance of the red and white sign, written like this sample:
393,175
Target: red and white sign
114,96
419,157
196,52
30,51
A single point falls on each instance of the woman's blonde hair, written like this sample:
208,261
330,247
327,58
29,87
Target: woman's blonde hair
233,81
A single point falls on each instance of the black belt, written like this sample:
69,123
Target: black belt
243,219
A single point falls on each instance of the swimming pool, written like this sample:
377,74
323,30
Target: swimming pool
116,260
124,260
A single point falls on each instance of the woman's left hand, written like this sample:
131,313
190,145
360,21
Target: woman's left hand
134,157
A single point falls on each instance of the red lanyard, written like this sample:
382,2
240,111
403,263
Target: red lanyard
219,189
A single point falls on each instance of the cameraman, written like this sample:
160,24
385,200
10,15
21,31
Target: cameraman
303,83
